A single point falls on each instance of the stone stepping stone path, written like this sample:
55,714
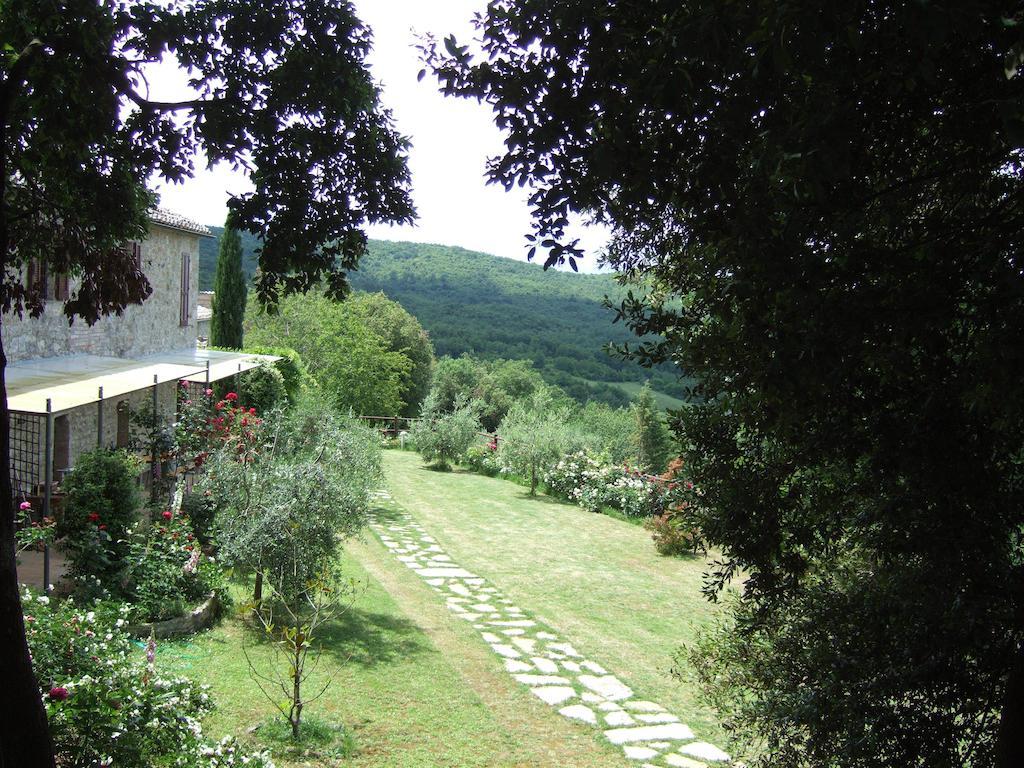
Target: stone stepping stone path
537,657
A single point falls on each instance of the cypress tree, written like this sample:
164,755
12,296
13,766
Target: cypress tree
229,292
652,440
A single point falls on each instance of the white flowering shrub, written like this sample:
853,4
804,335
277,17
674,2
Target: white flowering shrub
593,483
108,707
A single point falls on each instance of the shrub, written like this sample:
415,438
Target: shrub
580,477
483,459
443,438
671,536
200,510
593,483
263,388
293,370
167,573
100,507
105,706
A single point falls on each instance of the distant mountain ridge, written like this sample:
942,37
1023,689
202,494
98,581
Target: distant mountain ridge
492,307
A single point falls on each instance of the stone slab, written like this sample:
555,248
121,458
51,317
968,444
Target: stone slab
579,712
553,694
668,732
705,751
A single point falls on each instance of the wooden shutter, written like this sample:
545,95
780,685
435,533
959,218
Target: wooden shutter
186,282
61,287
37,277
136,249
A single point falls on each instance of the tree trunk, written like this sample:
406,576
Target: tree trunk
24,737
1010,747
533,479
297,687
257,592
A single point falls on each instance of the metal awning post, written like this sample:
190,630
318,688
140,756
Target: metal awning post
99,420
47,490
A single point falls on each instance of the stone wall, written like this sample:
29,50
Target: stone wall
154,326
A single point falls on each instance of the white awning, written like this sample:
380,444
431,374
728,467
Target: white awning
72,381
222,364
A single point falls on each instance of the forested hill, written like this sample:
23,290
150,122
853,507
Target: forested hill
492,307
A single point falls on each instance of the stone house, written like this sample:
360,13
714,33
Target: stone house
73,387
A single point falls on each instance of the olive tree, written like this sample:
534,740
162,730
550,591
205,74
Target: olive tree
535,434
443,437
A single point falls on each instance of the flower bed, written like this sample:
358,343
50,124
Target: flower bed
593,483
203,617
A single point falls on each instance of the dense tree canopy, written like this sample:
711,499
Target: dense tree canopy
403,334
353,366
829,200
280,88
476,304
494,384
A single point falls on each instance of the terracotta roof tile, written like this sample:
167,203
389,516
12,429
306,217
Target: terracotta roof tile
166,218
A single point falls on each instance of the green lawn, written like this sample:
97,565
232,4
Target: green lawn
416,688
632,388
596,580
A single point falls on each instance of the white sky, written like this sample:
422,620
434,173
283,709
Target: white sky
451,138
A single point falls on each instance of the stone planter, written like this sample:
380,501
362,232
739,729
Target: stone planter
199,619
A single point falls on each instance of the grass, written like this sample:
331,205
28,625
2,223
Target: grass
597,580
411,688
632,388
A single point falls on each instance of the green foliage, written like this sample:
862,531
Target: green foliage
101,506
287,492
534,435
229,293
651,437
444,436
353,367
263,388
822,215
290,364
404,335
608,431
494,384
199,509
493,308
166,571
105,705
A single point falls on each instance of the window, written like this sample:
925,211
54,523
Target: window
36,276
49,286
186,282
